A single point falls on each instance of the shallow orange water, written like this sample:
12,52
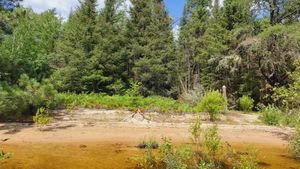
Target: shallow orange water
108,156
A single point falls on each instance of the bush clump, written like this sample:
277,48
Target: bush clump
248,160
246,103
213,154
167,157
271,115
295,145
213,103
22,100
4,155
212,141
149,143
195,130
42,117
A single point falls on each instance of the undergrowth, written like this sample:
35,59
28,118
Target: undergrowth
4,155
213,154
154,103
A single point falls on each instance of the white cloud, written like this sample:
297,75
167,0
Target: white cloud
176,30
63,7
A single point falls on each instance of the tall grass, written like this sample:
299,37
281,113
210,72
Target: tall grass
214,154
153,103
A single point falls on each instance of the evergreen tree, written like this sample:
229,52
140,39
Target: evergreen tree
237,13
109,62
152,48
75,47
190,40
233,68
215,43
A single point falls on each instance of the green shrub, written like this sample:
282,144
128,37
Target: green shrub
206,165
213,103
179,158
271,115
214,155
175,158
295,145
42,117
249,160
290,119
246,103
134,90
212,141
26,97
149,143
195,130
13,101
147,161
4,155
167,157
288,97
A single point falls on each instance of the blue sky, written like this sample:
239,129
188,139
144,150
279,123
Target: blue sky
175,8
63,7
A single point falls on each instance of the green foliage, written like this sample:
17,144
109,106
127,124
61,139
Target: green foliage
73,50
246,103
168,157
93,100
27,50
178,158
148,161
295,144
108,65
249,160
281,11
237,13
206,165
27,97
195,130
271,115
42,117
4,155
213,155
106,50
148,144
213,103
212,141
135,89
152,57
288,97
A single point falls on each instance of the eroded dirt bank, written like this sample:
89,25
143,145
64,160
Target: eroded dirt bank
107,139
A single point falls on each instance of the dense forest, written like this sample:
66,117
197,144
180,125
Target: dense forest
250,46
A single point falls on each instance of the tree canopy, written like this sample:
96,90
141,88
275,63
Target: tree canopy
251,46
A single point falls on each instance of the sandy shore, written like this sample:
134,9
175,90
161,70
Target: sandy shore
106,128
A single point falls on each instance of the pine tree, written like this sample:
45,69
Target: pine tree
152,48
237,13
108,64
215,46
75,47
190,39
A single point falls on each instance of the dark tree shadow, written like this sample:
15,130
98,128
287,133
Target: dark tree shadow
283,136
55,128
13,128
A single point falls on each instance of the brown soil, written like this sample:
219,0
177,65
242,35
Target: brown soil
107,139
